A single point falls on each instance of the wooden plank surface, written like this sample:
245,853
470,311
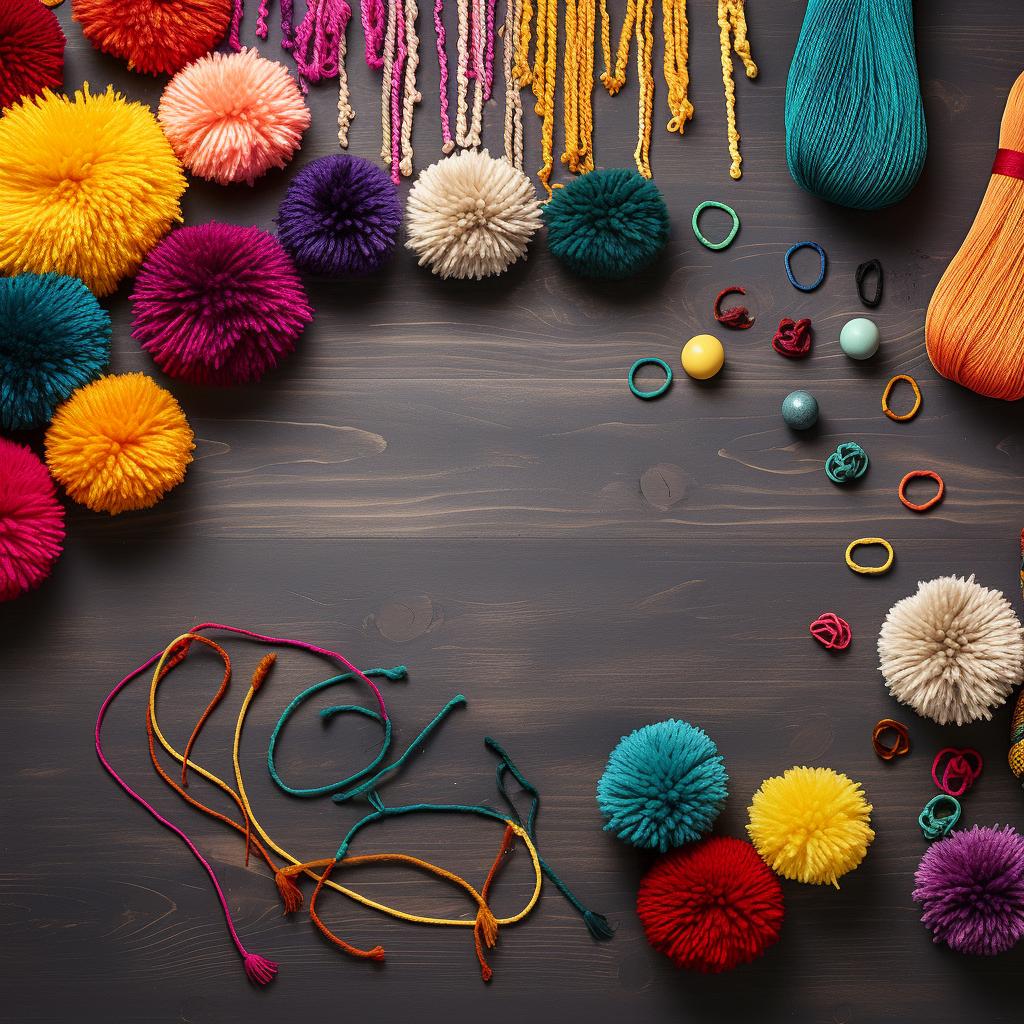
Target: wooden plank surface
454,477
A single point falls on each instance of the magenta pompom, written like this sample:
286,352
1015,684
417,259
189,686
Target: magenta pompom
971,886
31,521
218,304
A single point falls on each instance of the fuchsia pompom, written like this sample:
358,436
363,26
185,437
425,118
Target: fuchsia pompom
31,521
231,117
218,304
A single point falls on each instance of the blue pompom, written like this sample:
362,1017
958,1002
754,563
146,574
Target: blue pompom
607,224
54,337
665,785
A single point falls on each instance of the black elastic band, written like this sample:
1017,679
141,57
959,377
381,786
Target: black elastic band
862,272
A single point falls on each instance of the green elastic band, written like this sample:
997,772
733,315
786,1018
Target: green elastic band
658,391
727,241
936,826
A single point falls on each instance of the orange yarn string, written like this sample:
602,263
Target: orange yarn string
975,319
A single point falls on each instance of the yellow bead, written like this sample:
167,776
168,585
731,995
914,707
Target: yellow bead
703,356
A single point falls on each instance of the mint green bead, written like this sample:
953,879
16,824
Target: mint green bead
800,410
859,338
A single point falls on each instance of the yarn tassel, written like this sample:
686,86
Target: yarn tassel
676,63
291,894
258,969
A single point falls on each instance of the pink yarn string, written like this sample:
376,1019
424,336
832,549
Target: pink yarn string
397,75
258,969
374,19
261,19
317,39
237,10
287,24
447,143
489,63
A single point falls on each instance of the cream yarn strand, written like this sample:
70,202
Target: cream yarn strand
410,95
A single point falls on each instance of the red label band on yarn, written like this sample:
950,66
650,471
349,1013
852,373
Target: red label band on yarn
1009,162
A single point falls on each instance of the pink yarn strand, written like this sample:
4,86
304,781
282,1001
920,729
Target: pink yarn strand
447,143
374,19
287,24
261,19
258,969
489,63
317,39
237,11
397,75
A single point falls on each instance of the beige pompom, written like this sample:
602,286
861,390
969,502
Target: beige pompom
953,651
471,216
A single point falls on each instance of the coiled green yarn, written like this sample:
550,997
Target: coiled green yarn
855,128
664,785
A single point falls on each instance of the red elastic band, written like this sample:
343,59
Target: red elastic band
1009,162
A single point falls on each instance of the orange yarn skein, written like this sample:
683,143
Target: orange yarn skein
974,330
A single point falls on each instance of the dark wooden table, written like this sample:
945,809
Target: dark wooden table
454,477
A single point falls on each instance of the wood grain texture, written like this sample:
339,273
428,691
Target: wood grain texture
454,477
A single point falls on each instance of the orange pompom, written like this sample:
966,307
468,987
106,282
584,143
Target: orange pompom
154,36
119,444
975,319
233,116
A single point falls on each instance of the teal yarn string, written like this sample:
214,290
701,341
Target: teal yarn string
855,127
935,825
664,785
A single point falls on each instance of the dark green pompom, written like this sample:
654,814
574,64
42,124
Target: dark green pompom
607,224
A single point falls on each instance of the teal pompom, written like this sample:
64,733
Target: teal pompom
54,337
607,224
664,785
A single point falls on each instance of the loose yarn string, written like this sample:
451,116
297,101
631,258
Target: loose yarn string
677,74
578,86
389,52
258,969
855,128
410,95
935,825
959,773
732,28
1016,754
541,75
975,319
441,39
513,97
374,19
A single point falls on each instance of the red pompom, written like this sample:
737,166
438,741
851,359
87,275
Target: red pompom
154,36
31,50
31,520
712,906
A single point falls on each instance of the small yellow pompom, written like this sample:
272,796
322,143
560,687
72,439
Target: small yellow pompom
811,825
119,444
88,185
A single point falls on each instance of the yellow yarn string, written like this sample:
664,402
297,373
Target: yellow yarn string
241,795
677,74
521,69
638,24
543,84
732,20
578,86
392,911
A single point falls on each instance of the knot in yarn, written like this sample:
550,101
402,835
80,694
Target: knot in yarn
959,773
848,462
855,127
793,338
831,631
664,785
935,825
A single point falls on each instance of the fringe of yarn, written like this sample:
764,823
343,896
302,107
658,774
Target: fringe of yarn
677,73
975,322
578,86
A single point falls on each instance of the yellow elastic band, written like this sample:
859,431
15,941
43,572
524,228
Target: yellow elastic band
869,570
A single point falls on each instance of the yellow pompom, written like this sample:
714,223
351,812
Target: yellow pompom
811,825
88,185
119,444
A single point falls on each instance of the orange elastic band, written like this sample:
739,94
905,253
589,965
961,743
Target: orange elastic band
921,474
899,748
901,417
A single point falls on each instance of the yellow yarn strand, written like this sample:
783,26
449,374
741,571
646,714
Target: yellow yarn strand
295,862
543,84
639,25
732,21
677,73
578,86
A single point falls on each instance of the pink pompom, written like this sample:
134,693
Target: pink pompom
232,117
218,304
31,521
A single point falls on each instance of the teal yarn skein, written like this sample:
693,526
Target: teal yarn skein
608,224
855,127
664,785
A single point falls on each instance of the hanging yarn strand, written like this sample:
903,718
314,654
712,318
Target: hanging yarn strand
441,39
676,67
541,76
346,114
732,26
513,99
1016,755
578,86
389,53
855,128
410,94
974,325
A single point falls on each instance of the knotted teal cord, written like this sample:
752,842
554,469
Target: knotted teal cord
597,924
938,826
855,127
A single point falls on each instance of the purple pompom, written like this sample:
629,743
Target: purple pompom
218,304
340,216
971,886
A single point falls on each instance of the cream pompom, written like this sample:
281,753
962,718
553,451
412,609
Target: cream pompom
471,216
953,651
